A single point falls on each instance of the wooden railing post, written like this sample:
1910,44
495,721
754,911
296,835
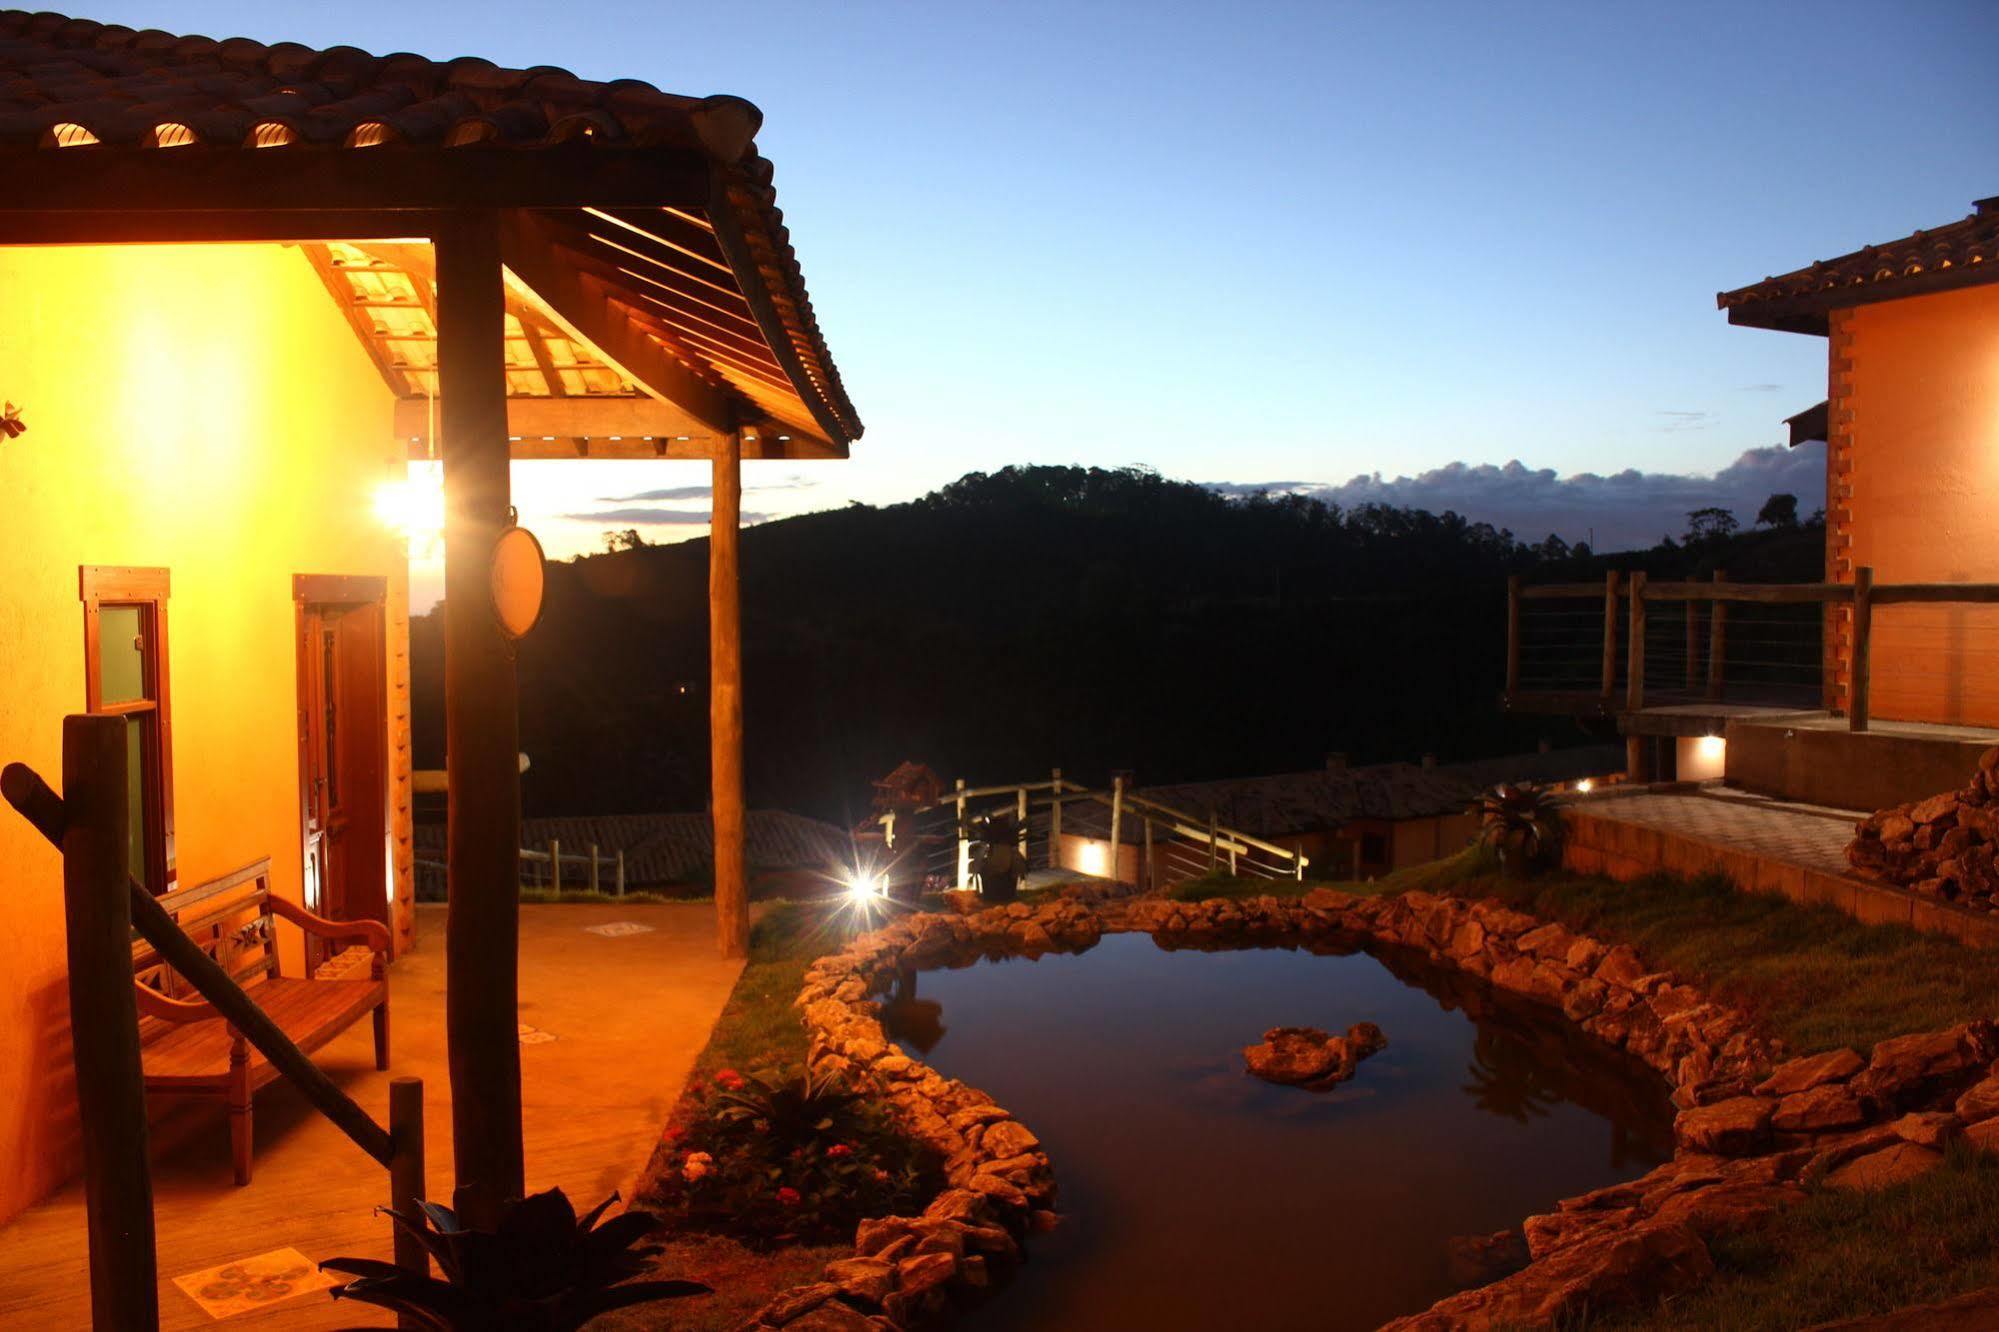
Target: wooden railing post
594,881
1055,821
1610,582
621,872
1717,633
406,1173
1117,815
1151,873
1693,628
1863,643
555,866
104,1026
1634,677
1020,825
964,841
1214,852
1512,634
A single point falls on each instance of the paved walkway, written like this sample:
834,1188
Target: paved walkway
616,1019
1809,835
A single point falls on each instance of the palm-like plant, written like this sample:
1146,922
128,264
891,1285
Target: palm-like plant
792,1110
541,1269
1521,823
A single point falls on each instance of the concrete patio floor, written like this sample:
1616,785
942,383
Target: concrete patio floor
628,1013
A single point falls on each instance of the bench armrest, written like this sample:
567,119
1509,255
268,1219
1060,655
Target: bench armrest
370,932
154,1004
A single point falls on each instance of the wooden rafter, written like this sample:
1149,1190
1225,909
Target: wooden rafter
342,291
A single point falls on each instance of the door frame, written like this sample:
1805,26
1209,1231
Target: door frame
352,592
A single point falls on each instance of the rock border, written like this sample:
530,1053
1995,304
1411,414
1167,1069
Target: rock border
1752,1131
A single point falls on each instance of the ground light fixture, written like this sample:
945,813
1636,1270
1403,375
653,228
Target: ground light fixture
1585,786
866,885
1095,862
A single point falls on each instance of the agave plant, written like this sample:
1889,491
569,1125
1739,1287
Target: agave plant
792,1110
541,1269
1520,823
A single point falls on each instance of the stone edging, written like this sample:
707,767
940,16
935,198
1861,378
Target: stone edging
1748,1136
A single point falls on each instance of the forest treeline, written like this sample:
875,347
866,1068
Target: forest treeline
1092,619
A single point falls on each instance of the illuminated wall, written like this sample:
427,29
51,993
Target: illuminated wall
208,410
1918,380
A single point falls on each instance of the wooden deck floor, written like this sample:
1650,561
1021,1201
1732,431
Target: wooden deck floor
628,1012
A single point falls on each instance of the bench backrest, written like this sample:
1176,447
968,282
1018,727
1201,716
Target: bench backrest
230,918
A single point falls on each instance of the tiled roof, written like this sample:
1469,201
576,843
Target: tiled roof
75,84
676,848
1300,802
1957,254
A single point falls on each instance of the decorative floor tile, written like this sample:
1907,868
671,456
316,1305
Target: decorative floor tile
1813,840
253,1283
535,1035
617,928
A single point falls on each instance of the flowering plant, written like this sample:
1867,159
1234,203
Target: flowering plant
772,1159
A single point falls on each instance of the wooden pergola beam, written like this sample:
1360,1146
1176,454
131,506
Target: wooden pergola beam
725,700
40,226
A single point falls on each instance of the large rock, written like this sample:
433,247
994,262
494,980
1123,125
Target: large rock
1308,1057
1981,1102
1811,1071
1735,1127
1891,1165
1624,1269
1829,1106
1907,1070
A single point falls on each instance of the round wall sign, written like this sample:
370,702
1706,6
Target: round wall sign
517,581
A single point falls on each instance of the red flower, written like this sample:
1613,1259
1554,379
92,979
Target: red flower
838,1150
788,1196
675,1132
729,1079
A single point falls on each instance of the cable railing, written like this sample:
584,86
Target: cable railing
1629,643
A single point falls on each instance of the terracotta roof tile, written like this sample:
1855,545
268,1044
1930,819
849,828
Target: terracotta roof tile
1968,248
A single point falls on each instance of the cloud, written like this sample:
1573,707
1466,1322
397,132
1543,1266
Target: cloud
1760,388
650,516
673,493
1619,512
1684,420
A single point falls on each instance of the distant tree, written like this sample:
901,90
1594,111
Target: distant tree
1581,550
629,539
1709,524
1778,511
1554,548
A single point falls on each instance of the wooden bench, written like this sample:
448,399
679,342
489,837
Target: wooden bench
189,1050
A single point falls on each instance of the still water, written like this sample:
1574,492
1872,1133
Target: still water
1196,1197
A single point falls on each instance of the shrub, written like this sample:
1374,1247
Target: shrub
770,1159
1521,824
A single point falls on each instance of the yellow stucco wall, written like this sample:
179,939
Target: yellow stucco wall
1921,385
205,409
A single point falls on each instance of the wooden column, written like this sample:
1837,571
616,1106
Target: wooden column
1857,702
1512,634
1055,820
1717,639
725,698
406,1173
1117,831
1610,581
481,725
1637,758
104,1027
964,841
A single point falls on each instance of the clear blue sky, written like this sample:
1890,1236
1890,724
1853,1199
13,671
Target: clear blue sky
1251,241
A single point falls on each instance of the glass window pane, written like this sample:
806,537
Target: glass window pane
121,653
135,793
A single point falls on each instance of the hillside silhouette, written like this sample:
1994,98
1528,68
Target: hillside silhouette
1036,616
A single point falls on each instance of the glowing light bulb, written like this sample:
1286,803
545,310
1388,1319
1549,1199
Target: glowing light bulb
413,507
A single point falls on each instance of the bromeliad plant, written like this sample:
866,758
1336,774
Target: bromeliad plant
775,1159
541,1269
1521,824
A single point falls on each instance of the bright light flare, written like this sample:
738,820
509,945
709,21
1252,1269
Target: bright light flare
1712,748
413,507
863,886
1585,786
1093,860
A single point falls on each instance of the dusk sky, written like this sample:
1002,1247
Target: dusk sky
1269,243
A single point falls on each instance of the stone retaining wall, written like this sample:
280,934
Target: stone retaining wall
1749,1135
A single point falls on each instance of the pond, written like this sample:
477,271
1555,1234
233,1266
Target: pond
1195,1196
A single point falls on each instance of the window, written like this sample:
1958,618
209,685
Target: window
125,673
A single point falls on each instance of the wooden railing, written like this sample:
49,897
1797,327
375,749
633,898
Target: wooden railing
103,905
1639,593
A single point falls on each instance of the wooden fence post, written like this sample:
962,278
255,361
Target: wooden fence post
1020,826
1717,634
1214,854
1055,821
1693,628
621,871
104,1026
1634,679
406,1171
1512,634
1117,816
555,865
1610,582
1863,648
594,882
964,841
1151,874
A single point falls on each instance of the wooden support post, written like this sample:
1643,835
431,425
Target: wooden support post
595,887
1020,826
1055,820
621,872
1151,874
481,724
1717,638
104,1026
1512,634
725,698
406,1172
555,866
1117,816
1693,628
964,841
888,831
1634,679
1863,647
1214,827
1610,581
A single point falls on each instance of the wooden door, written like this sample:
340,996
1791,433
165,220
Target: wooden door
343,735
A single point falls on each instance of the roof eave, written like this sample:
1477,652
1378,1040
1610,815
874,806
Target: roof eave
1810,312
